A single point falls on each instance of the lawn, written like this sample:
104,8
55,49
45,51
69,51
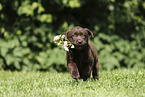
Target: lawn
116,83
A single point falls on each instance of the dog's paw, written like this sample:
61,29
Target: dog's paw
75,75
96,78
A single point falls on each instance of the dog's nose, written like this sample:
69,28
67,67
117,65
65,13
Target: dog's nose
79,41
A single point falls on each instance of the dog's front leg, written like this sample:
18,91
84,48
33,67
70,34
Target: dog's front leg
73,70
72,67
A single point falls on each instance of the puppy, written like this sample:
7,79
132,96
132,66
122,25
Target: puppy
82,59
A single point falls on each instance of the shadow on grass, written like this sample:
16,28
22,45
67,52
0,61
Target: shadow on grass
76,82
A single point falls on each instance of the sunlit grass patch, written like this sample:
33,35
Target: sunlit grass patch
117,83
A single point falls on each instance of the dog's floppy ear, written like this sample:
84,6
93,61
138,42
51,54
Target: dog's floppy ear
90,32
66,34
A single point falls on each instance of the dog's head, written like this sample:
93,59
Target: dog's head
79,36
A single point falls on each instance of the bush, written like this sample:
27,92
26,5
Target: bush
27,29
115,52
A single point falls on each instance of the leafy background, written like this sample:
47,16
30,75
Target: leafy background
27,28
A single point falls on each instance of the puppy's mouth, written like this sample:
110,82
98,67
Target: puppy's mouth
80,46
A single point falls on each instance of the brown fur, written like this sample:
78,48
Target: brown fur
83,58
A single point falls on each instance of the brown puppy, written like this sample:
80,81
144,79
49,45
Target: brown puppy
83,58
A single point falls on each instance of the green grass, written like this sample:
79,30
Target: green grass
117,83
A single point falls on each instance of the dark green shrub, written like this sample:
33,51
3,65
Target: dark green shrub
115,52
27,29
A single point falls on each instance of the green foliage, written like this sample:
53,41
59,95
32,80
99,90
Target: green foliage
27,29
115,52
70,3
28,9
120,83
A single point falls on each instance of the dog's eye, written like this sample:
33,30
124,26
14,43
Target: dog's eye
73,35
83,36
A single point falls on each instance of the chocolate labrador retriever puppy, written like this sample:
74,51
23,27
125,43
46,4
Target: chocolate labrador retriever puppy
82,59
